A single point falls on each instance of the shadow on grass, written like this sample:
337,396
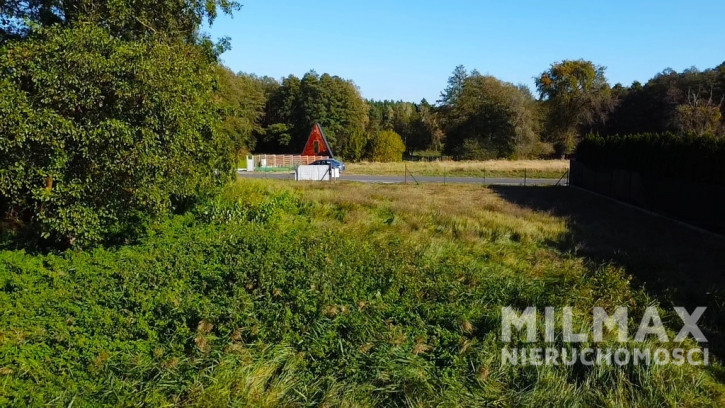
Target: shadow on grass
675,264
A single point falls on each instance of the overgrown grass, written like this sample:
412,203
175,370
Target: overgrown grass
276,294
490,168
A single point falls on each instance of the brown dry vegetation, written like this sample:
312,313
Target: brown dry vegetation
677,265
430,211
559,227
489,168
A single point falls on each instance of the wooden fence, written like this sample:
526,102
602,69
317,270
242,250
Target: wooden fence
284,160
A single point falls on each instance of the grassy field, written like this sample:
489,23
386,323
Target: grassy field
490,168
282,294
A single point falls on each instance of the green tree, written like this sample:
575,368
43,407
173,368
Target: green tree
415,123
455,86
354,146
430,129
492,119
576,93
242,99
331,101
699,116
129,132
282,117
687,101
126,19
386,146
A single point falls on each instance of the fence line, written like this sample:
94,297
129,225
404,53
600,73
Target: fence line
284,160
695,203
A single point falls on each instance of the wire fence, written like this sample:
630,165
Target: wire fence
412,173
523,177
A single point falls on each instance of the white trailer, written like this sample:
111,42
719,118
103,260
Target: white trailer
316,173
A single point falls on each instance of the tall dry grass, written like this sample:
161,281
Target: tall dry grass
489,168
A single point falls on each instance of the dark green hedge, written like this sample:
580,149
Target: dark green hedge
691,158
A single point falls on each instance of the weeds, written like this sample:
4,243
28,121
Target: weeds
335,295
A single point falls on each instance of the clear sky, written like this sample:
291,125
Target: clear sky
407,49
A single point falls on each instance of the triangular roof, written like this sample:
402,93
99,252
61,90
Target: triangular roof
316,134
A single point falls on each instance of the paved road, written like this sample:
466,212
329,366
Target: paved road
420,179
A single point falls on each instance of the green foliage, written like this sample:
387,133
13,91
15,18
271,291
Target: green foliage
454,89
698,119
576,99
298,104
128,20
576,94
699,116
386,146
97,133
354,146
261,297
492,119
692,158
242,99
416,123
688,101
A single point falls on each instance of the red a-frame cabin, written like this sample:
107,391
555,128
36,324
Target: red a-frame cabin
317,143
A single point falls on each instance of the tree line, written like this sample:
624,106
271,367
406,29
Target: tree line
479,116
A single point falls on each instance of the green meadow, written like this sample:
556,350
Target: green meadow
279,294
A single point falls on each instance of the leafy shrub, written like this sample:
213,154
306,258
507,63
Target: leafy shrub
386,146
247,202
98,133
685,157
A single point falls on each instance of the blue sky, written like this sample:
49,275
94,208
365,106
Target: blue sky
407,49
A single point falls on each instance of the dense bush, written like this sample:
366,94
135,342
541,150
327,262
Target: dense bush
97,133
386,146
692,158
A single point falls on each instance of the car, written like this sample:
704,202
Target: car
336,164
